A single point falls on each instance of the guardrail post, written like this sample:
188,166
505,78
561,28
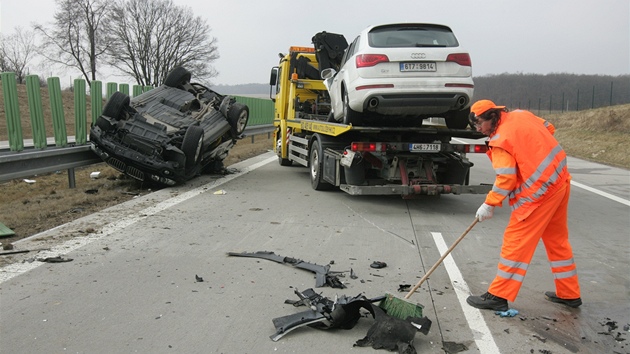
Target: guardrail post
111,88
35,107
96,99
80,112
124,88
12,111
56,108
137,90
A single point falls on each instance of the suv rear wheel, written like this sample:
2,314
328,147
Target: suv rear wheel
457,119
349,115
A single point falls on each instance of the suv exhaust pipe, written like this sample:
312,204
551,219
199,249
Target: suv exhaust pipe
461,101
373,103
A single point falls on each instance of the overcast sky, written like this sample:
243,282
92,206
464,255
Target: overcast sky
502,36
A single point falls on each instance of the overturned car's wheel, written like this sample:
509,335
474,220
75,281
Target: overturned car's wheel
238,115
115,105
178,77
192,144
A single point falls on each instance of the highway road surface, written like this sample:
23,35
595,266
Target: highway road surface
132,280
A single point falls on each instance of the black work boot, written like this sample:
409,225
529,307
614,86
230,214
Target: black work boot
551,296
488,301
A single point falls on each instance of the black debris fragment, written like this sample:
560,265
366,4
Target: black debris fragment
403,288
198,278
57,259
323,313
322,273
542,339
378,264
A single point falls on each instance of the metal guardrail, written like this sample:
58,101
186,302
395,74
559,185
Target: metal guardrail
32,161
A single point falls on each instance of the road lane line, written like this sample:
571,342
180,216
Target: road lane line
481,333
15,269
625,202
601,193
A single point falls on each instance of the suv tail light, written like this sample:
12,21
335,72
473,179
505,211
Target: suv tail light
365,60
462,59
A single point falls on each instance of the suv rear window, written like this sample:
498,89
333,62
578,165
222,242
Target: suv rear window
410,35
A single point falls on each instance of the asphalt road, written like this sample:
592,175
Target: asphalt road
131,285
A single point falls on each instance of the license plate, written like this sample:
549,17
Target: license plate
424,66
425,147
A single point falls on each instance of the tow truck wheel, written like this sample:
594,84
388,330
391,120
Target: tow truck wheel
316,162
284,162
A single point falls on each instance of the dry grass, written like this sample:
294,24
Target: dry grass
599,135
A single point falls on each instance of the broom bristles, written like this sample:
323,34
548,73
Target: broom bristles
400,308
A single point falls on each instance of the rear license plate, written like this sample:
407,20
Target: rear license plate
424,66
425,147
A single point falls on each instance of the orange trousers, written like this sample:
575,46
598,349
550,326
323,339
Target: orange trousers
549,223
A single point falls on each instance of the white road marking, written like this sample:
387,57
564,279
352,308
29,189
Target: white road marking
16,269
580,185
603,194
481,333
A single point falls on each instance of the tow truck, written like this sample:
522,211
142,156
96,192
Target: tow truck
374,159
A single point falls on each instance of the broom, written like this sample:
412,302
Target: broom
400,308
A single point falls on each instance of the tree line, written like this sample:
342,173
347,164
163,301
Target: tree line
554,92
536,92
141,39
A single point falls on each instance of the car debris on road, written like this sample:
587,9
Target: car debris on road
323,276
387,332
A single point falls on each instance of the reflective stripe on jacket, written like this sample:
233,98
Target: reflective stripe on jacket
527,159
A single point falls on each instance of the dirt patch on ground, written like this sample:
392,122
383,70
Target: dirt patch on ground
30,208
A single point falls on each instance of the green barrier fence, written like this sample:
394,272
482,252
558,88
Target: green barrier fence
260,110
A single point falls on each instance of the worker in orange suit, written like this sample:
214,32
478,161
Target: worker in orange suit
531,169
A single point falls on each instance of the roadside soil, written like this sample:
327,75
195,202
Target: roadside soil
33,205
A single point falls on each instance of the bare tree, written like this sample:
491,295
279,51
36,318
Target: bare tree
16,51
75,39
148,38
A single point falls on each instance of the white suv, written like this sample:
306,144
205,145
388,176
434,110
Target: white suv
399,74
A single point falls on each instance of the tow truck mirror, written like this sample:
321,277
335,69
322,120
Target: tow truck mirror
273,82
274,76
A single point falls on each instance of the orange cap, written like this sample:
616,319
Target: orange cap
482,106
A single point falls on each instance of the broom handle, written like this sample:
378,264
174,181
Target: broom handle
413,290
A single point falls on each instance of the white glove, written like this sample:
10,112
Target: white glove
484,212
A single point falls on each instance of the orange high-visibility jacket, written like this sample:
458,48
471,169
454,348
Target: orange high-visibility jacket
528,161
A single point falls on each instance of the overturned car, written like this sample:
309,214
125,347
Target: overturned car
169,134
